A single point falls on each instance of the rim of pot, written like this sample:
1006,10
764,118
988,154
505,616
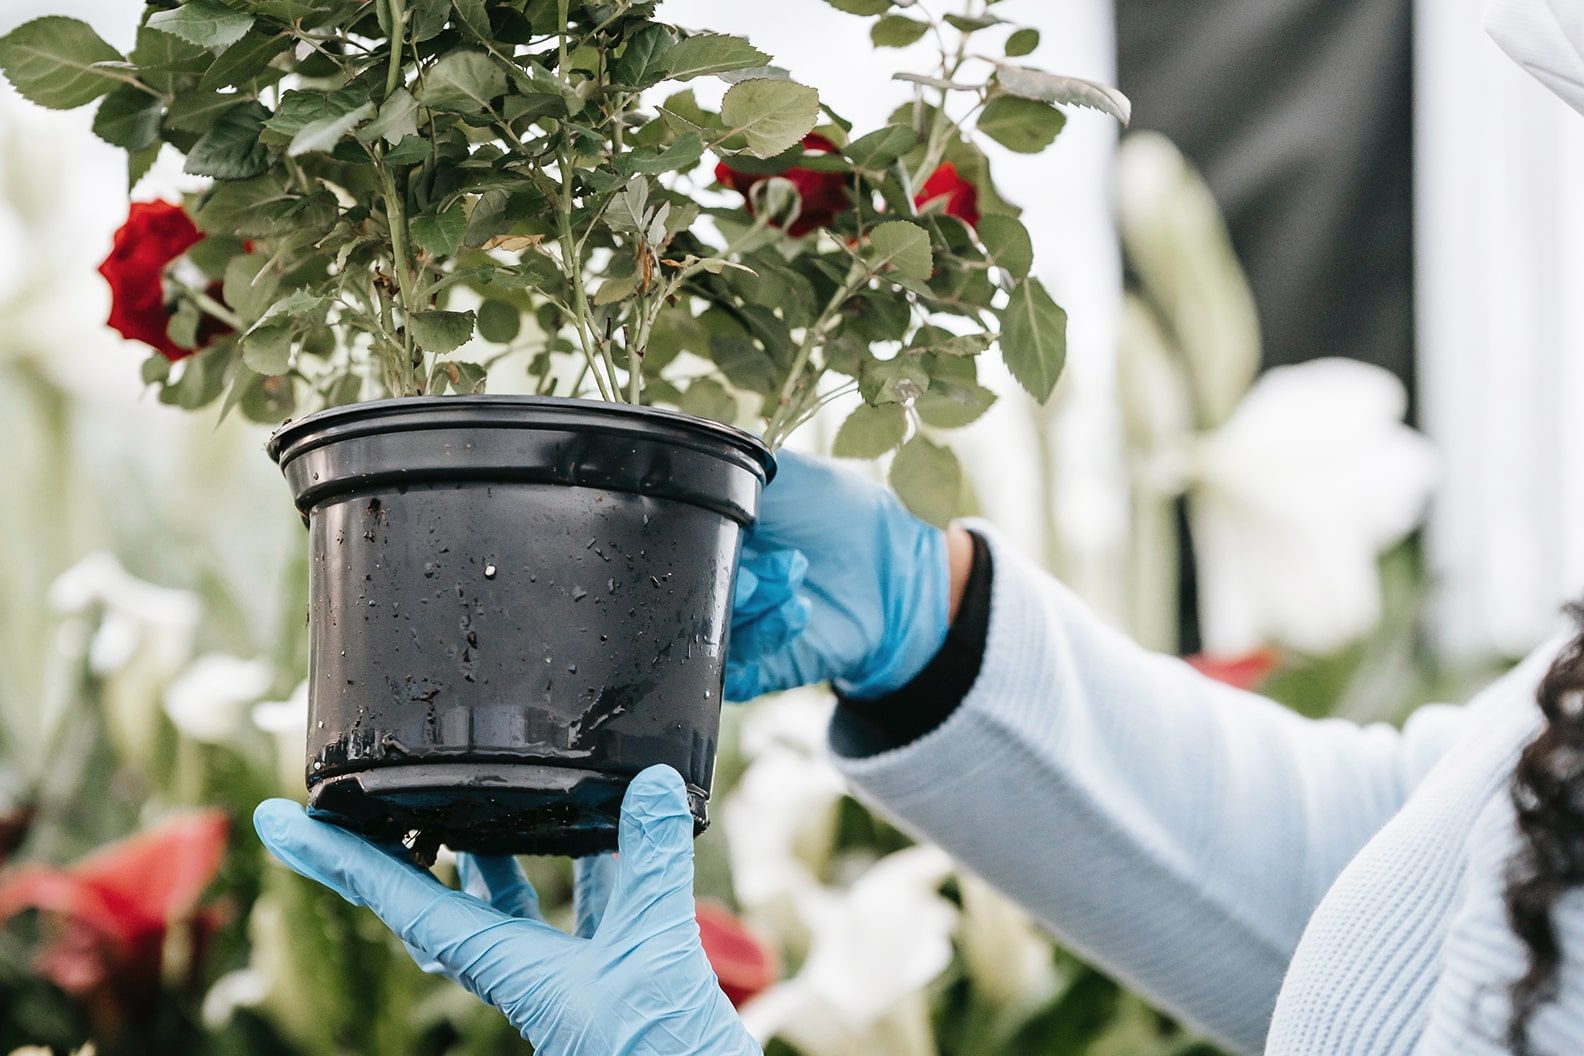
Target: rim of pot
409,413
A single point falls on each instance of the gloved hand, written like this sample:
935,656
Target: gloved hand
838,583
633,980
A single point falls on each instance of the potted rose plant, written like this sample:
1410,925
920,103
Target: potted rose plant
518,602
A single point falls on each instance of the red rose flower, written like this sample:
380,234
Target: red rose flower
154,235
962,197
823,194
114,910
1243,672
742,963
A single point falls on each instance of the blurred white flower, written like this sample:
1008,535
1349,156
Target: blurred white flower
139,636
780,817
1294,499
1008,956
1178,245
287,722
242,988
873,950
207,700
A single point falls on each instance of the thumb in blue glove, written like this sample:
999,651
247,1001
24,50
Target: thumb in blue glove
633,980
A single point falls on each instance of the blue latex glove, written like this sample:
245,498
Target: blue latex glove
839,583
633,980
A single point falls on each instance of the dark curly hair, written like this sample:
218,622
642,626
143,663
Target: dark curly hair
1548,793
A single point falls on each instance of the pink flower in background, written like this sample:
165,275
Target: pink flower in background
744,965
1249,671
114,910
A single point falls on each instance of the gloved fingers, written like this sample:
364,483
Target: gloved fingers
798,663
423,912
501,882
770,631
594,878
772,577
743,681
654,874
747,584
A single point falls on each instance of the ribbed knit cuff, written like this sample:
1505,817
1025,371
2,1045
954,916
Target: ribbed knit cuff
876,724
1016,649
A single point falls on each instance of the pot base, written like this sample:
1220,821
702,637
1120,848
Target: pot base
485,808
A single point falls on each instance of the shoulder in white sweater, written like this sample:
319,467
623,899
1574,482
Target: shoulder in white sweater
1289,886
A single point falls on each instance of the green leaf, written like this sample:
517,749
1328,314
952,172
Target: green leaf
708,53
1026,126
242,61
206,23
870,432
643,61
861,7
442,332
440,234
231,150
1008,243
410,151
196,111
1028,83
397,119
129,117
948,405
490,217
267,349
773,115
1034,338
897,31
473,15
930,81
627,209
302,108
325,133
1022,42
155,369
902,247
972,23
139,162
928,480
499,322
708,398
51,62
249,288
881,148
464,81
680,156
900,379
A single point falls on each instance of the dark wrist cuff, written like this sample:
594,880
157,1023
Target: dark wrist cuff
867,727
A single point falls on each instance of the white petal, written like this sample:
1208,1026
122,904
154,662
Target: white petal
207,701
1296,497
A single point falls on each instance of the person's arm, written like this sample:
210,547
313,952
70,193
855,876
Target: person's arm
1176,831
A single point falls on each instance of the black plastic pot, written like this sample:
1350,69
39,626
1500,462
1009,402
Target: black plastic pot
516,604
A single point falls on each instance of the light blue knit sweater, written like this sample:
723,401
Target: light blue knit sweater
1289,886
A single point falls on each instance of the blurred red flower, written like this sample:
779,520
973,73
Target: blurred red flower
1244,672
823,194
155,234
115,909
962,197
743,964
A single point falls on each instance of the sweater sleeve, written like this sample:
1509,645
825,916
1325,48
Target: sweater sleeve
1173,830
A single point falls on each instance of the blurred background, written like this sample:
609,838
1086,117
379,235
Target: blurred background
1315,432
